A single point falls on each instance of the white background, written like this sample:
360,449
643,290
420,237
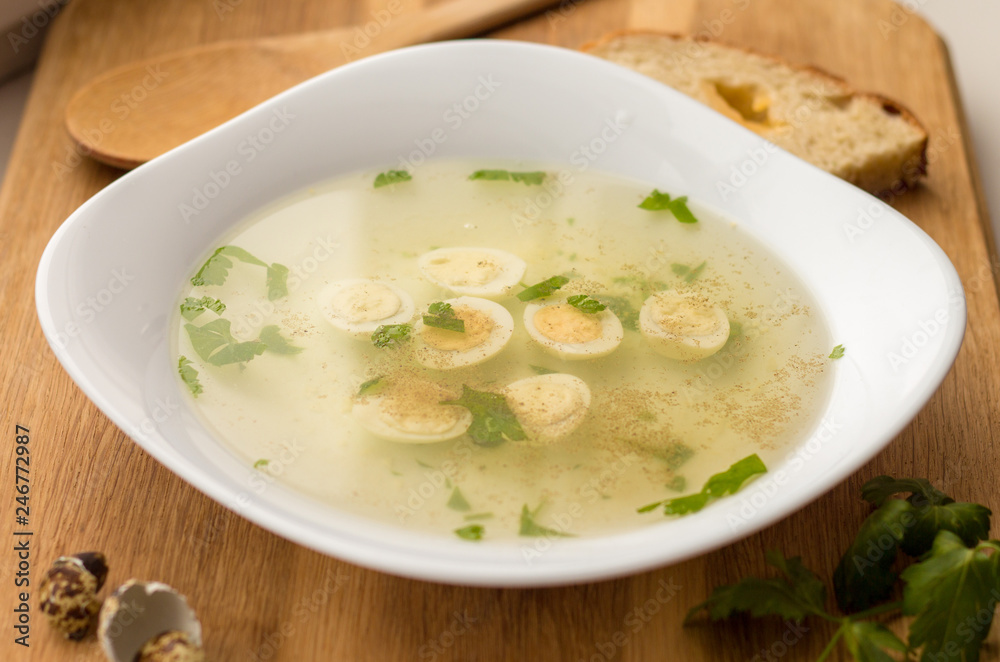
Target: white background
969,27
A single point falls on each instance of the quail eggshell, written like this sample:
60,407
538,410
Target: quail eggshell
136,612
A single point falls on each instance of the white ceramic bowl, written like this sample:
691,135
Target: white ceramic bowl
109,280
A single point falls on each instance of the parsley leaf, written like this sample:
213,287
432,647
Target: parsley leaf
868,641
192,308
837,353
271,336
492,420
390,335
626,311
688,273
391,177
443,316
718,485
933,511
457,501
950,591
216,270
215,344
794,596
371,386
530,178
657,201
189,376
531,528
541,370
542,289
472,532
585,304
261,463
864,575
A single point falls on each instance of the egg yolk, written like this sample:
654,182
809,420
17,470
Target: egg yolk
464,269
684,316
416,409
365,302
564,323
478,327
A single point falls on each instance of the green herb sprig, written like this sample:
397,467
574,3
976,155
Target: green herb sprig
391,177
390,335
442,316
493,422
950,590
584,303
543,289
657,201
718,485
216,270
529,178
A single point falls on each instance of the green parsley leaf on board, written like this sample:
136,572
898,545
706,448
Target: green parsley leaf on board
837,353
542,289
864,575
391,177
442,316
868,642
528,178
531,528
473,532
584,303
795,595
216,270
933,511
271,336
189,375
657,201
215,344
492,420
191,307
952,592
718,485
457,501
390,335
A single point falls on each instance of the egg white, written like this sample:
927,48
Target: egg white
375,414
441,359
611,334
549,407
682,326
359,306
455,269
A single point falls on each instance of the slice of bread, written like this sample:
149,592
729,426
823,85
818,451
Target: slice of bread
870,141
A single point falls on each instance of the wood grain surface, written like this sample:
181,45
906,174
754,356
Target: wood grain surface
263,598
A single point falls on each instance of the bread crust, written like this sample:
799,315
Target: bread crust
909,174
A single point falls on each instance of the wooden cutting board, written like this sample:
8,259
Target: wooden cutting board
263,598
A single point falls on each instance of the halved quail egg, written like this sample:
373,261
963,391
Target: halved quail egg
359,306
683,325
571,333
481,272
488,329
409,410
549,407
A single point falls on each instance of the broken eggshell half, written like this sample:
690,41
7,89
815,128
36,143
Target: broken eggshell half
136,612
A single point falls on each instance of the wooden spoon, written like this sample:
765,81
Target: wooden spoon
133,113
